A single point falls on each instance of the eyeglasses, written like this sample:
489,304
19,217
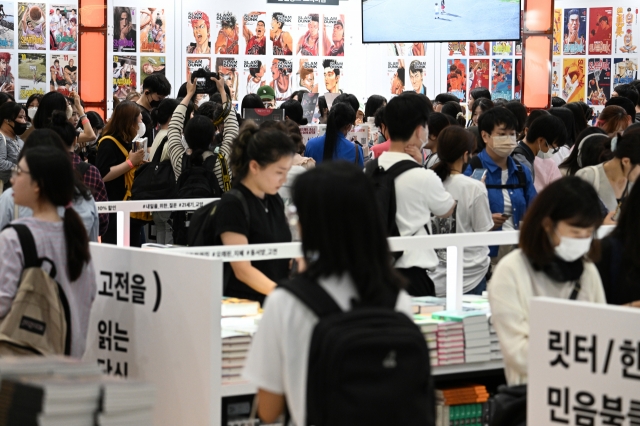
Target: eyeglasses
17,171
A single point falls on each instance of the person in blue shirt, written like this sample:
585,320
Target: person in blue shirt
334,145
509,183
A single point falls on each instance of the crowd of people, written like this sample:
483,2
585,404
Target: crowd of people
556,175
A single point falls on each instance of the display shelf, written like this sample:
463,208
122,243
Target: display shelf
471,367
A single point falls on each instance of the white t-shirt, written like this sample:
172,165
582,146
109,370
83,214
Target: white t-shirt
562,153
508,208
419,192
472,215
279,355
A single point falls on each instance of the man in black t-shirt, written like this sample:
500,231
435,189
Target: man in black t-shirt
155,88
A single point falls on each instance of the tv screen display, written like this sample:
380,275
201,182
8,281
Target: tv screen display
407,21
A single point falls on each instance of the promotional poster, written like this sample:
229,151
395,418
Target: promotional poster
308,75
310,107
63,73
308,35
502,79
480,48
517,88
502,48
478,73
254,74
333,74
396,49
417,74
125,38
153,28
396,75
32,74
573,80
254,31
599,75
228,35
557,32
199,28
575,29
227,69
150,65
7,24
7,82
626,30
600,30
63,27
333,35
32,26
457,78
417,49
282,78
125,76
457,48
625,70
280,34
556,77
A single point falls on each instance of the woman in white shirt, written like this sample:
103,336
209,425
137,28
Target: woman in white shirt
472,213
555,239
350,259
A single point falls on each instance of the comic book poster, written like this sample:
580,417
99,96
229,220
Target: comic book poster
7,81
150,65
417,74
254,31
416,49
63,27
556,80
396,75
307,75
228,34
333,35
575,30
194,64
227,68
32,26
518,43
502,48
600,29
308,33
310,106
573,80
198,31
457,48
6,27
280,34
457,78
625,70
63,73
153,29
478,73
626,28
599,75
480,48
125,76
517,87
125,38
333,75
557,32
32,74
254,74
502,79
397,49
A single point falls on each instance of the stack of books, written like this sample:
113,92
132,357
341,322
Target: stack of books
496,352
232,307
239,323
427,305
429,328
126,403
461,405
475,325
450,342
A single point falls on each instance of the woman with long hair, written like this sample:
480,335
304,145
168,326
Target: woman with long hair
334,145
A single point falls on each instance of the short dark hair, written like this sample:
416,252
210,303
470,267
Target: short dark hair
569,121
157,83
628,91
401,74
374,103
405,113
251,101
480,93
520,111
437,122
495,117
413,67
548,127
568,199
348,98
453,142
378,120
536,113
628,146
636,84
328,63
95,120
443,98
163,112
624,102
293,110
557,101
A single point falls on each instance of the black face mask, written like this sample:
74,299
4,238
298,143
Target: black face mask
19,128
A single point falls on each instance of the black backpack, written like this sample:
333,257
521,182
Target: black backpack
368,366
201,230
155,180
476,163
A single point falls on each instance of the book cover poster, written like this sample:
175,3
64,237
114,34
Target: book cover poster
125,37
457,78
573,80
32,74
396,76
626,28
194,64
228,34
416,49
478,73
333,75
600,30
502,48
281,33
150,65
153,29
502,79
333,35
308,33
625,70
599,75
480,48
575,30
254,74
517,86
63,27
254,31
307,75
556,77
198,32
125,75
32,26
7,82
6,26
457,48
417,74
227,69
63,73
310,107
557,32
397,49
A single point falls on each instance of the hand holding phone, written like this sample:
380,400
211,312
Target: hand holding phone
479,174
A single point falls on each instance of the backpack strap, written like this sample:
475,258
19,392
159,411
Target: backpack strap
522,179
576,290
240,196
476,163
158,154
402,166
312,295
226,177
29,251
82,168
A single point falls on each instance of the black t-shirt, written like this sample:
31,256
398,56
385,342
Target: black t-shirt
262,228
110,155
148,124
620,279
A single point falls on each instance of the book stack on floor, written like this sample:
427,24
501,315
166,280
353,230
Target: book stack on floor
475,330
461,405
239,323
496,353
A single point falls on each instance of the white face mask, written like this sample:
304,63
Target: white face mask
425,141
504,145
69,112
142,129
572,249
32,112
545,155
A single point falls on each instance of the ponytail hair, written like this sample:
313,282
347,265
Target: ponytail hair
45,163
340,116
454,110
453,142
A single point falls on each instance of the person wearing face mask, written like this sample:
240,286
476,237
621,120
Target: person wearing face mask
545,134
509,183
13,121
155,88
612,179
552,261
32,105
79,120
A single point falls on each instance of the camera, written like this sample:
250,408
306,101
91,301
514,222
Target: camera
204,84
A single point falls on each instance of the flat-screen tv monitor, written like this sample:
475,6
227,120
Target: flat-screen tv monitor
408,21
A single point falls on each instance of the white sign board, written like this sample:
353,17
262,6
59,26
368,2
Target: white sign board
154,318
584,364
